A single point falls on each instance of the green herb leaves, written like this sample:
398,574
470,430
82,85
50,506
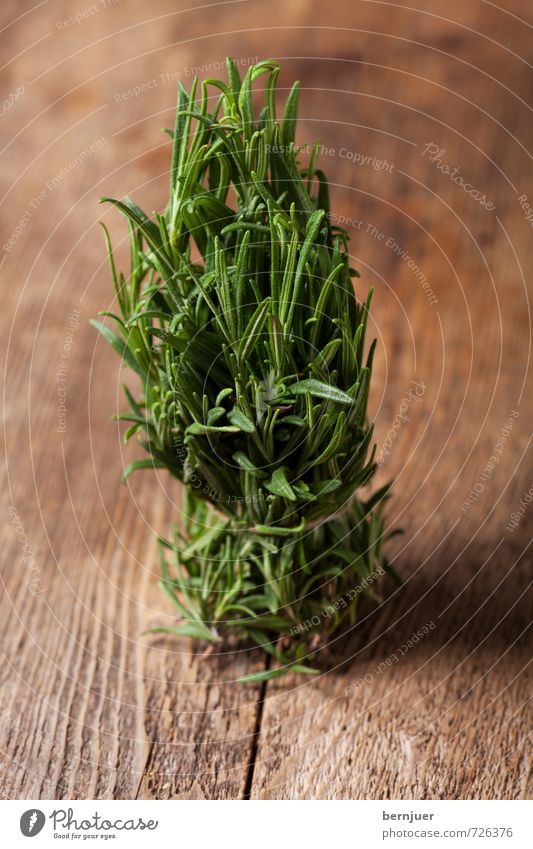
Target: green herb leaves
240,318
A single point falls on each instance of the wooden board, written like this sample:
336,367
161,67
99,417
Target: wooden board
400,97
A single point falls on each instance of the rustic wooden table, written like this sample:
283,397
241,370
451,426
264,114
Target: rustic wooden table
406,101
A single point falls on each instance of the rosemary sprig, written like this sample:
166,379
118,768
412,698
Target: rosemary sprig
240,318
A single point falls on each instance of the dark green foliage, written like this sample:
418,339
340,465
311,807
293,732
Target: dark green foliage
239,316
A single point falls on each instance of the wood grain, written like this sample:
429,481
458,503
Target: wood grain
89,706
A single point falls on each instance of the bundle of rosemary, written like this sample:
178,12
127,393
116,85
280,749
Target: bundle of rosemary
240,318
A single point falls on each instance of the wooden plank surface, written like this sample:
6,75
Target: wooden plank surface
91,708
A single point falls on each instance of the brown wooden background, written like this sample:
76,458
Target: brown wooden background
88,706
